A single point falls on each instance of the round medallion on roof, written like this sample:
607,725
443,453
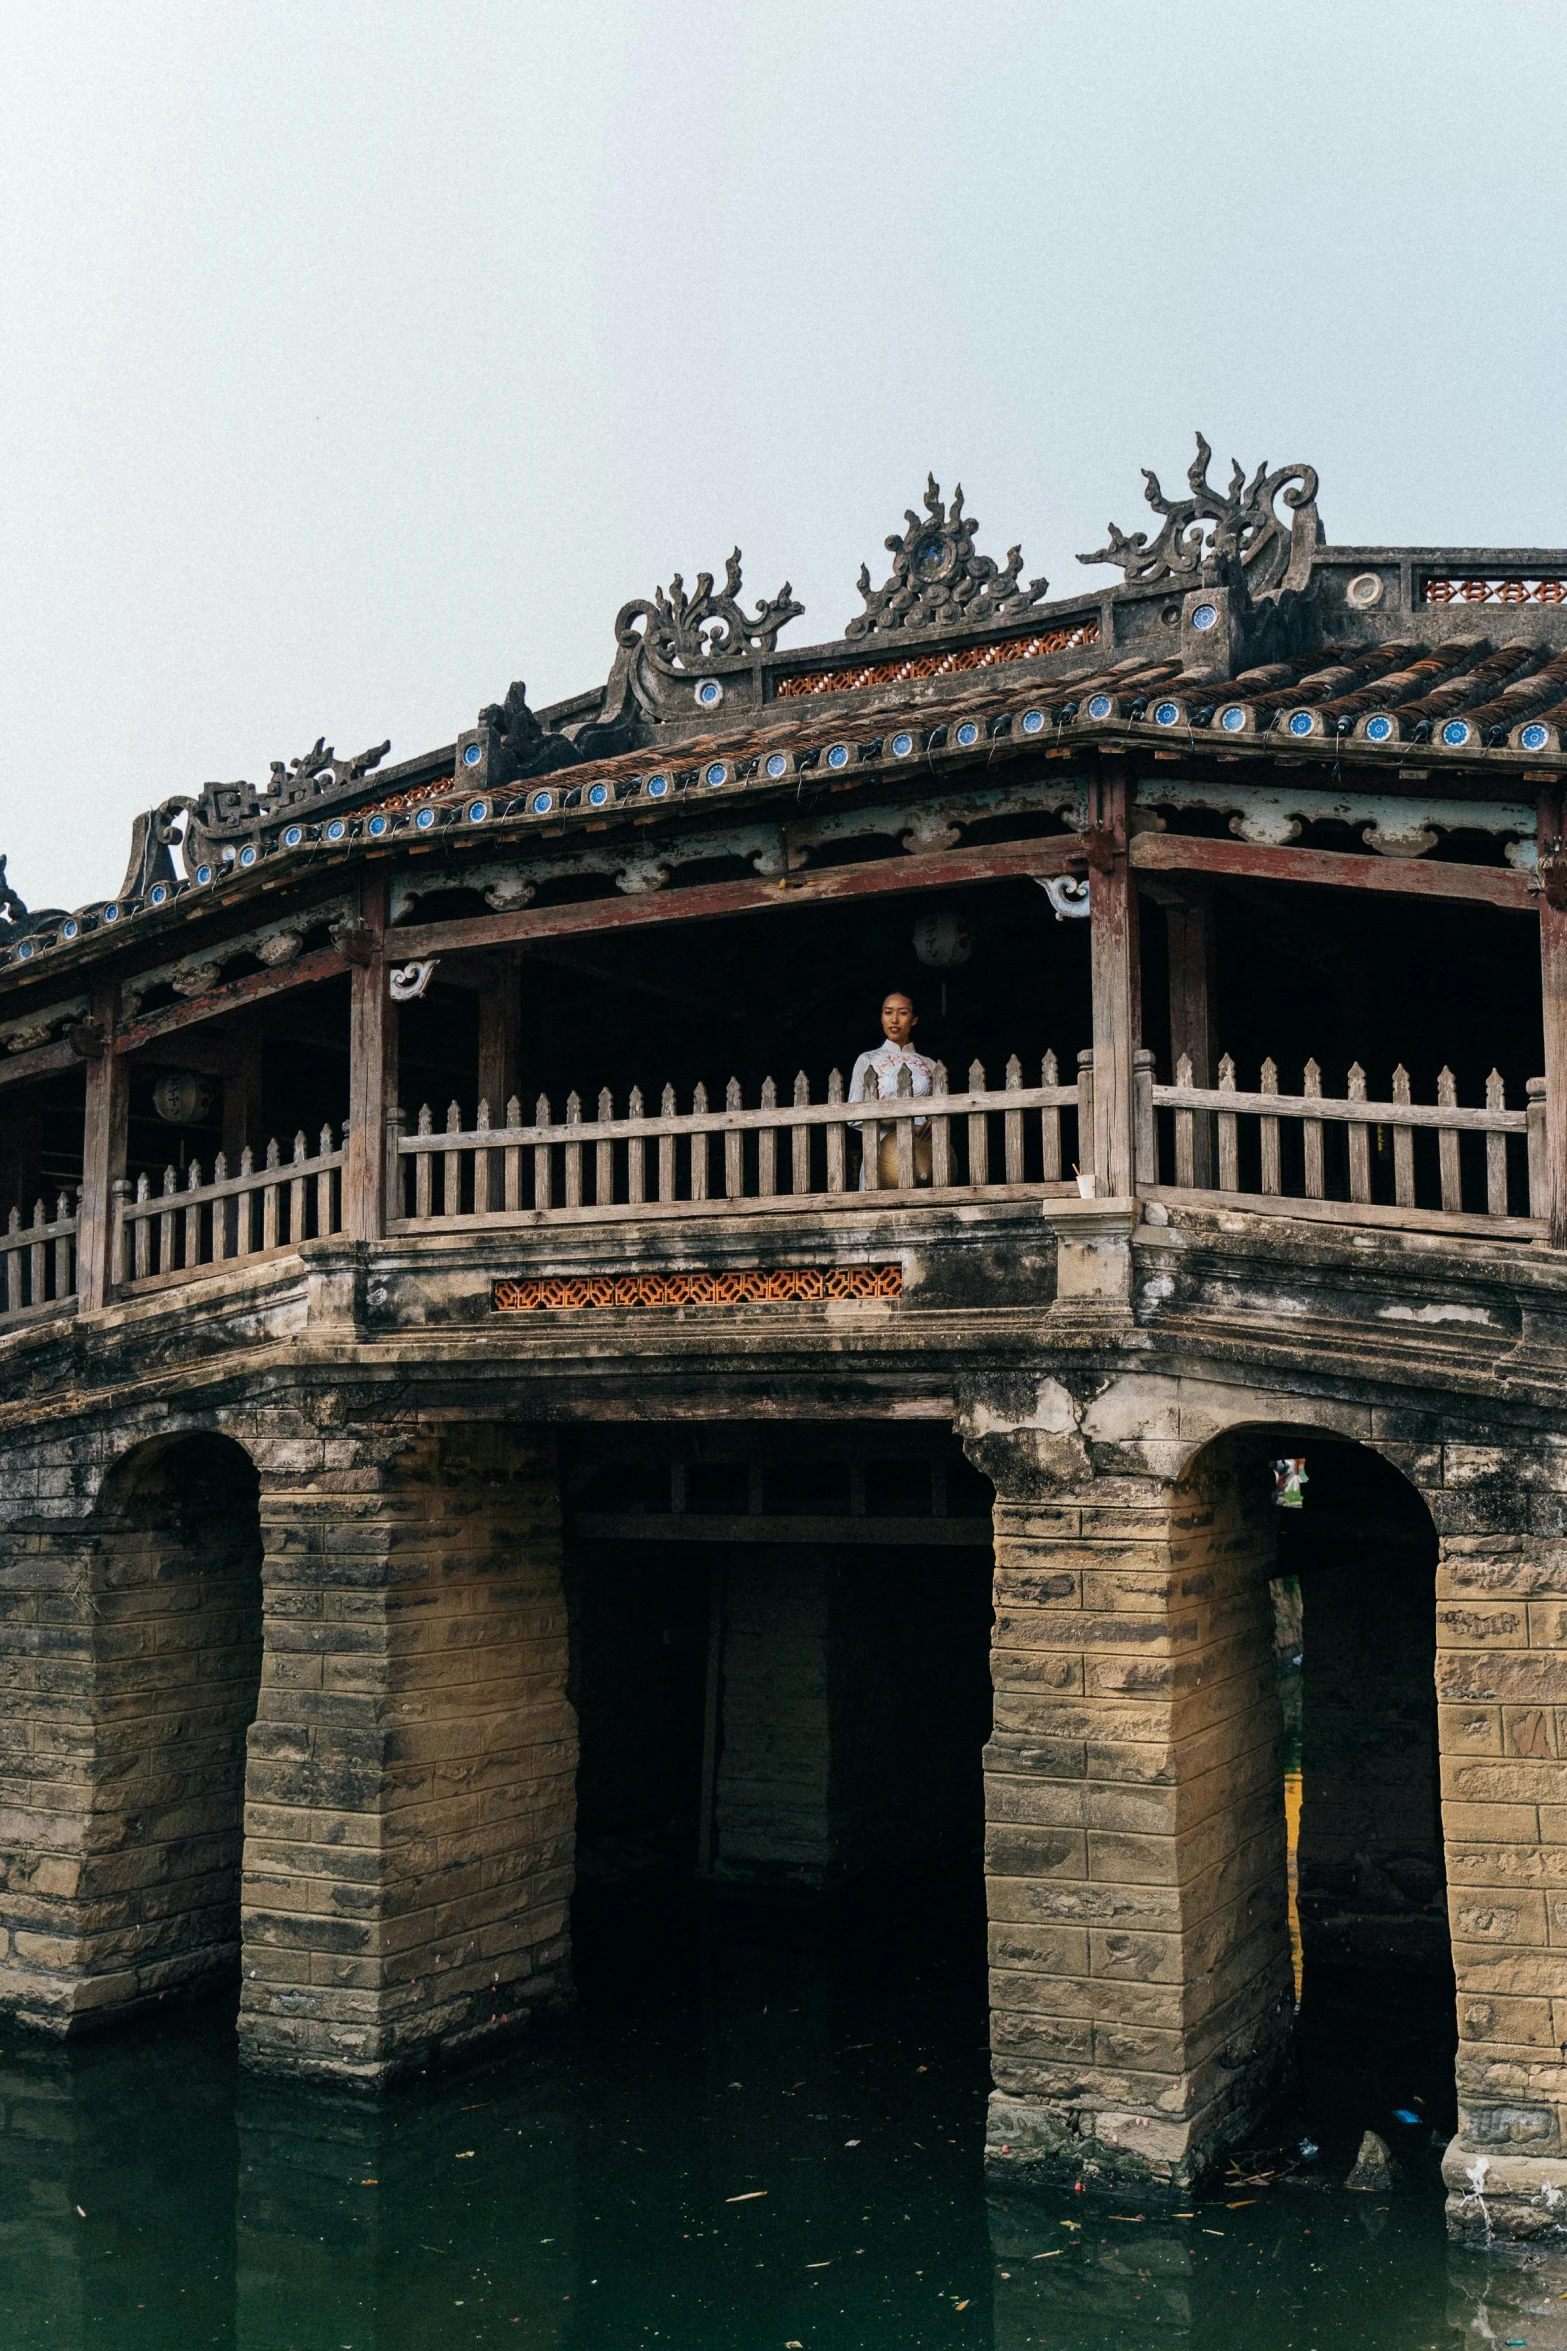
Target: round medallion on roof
1364,590
377,826
1232,718
598,794
1300,722
776,764
657,787
715,773
336,830
158,895
838,756
478,811
111,913
203,873
1033,722
1099,706
968,734
1166,714
709,693
25,951
247,855
1457,733
1379,729
71,928
1204,616
901,746
472,754
424,820
293,835
1534,737
540,803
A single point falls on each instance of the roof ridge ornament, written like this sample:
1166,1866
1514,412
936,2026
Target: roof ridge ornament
937,579
681,633
1247,541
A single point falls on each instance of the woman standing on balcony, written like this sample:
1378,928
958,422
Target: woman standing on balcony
876,1076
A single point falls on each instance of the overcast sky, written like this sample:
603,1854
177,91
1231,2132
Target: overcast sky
360,358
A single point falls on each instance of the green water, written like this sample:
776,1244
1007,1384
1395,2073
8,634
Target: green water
584,2190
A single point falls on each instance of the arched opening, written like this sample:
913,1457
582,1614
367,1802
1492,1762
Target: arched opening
177,1632
781,1670
1348,1551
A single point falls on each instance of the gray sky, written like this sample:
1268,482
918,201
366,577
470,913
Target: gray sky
360,358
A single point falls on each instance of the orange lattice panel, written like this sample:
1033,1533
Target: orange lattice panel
785,1285
938,665
1511,591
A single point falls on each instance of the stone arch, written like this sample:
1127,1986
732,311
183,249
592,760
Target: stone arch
176,1637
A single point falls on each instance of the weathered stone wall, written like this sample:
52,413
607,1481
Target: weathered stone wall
410,1797
773,1801
1141,1988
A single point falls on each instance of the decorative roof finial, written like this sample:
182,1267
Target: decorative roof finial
937,579
1247,539
681,632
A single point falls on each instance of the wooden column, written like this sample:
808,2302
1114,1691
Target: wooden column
1189,924
103,1154
1116,983
500,1034
242,1104
372,1066
1553,1007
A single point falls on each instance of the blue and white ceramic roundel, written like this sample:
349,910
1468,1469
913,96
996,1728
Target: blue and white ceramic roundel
710,693
478,810
1099,706
541,803
838,756
1204,616
1456,733
1033,722
968,733
472,753
716,774
777,763
1534,737
292,837
24,953
597,795
377,826
111,913
424,819
1378,729
158,894
247,855
657,787
902,745
71,929
1233,719
336,829
1299,722
1165,714
203,873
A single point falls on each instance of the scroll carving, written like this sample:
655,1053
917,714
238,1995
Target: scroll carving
681,633
1219,539
938,581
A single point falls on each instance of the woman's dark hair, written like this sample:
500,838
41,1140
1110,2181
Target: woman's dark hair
900,990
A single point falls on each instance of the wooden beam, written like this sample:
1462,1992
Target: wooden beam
1117,987
1410,877
1189,928
44,1061
500,1035
322,963
706,901
372,1071
103,1156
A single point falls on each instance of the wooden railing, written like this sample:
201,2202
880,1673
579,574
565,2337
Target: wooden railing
1487,1160
194,1227
986,1140
38,1261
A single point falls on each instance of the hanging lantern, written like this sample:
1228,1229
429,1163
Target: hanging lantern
941,941
181,1098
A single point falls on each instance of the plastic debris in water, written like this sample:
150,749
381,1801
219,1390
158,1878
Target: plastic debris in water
1310,2150
1402,2114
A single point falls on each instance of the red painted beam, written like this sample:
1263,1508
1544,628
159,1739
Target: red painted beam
704,901
1407,877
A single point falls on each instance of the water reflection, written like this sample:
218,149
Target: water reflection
752,2134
